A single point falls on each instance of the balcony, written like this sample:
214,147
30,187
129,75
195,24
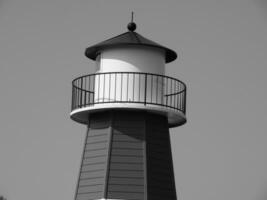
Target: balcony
129,90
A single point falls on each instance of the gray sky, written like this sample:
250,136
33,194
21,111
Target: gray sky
221,153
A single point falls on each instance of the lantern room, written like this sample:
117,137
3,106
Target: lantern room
130,74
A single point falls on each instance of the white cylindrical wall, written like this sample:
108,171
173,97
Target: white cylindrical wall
122,87
132,59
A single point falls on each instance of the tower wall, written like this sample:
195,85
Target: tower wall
127,156
92,177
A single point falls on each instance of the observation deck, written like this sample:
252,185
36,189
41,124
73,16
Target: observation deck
131,91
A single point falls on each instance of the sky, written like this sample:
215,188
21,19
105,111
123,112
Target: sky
221,153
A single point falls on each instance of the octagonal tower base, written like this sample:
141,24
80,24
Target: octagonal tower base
127,155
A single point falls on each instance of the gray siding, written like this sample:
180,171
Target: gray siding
127,155
160,176
126,172
91,184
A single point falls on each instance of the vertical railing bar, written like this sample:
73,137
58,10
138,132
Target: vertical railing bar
78,93
157,89
152,88
72,90
94,90
171,93
139,75
109,87
91,91
145,88
162,90
115,87
180,98
176,98
121,84
99,76
133,85
74,104
104,85
81,100
90,85
183,102
127,86
75,96
166,93
85,91
179,104
184,109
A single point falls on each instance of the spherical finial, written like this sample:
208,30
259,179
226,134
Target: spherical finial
131,26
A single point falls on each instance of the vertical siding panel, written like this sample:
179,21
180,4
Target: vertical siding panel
160,175
91,182
126,177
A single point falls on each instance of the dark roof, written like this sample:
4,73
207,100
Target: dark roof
128,38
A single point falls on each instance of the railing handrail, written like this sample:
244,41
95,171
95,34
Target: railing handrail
125,72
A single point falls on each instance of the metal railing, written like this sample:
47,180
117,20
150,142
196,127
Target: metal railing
128,87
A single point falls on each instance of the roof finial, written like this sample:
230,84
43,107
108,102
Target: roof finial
131,26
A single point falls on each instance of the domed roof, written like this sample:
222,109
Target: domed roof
128,38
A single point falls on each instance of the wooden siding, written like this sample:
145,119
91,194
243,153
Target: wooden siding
160,176
91,184
126,172
127,155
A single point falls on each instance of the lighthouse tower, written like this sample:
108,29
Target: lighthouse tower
128,105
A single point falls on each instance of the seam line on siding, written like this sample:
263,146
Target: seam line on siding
97,135
134,163
127,148
95,149
89,192
103,141
88,157
90,185
122,191
120,155
126,141
96,163
127,177
96,170
127,170
91,178
128,184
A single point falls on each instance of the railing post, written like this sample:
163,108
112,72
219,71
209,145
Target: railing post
166,91
81,94
185,100
145,88
72,97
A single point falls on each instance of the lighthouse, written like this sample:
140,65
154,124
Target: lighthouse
128,106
